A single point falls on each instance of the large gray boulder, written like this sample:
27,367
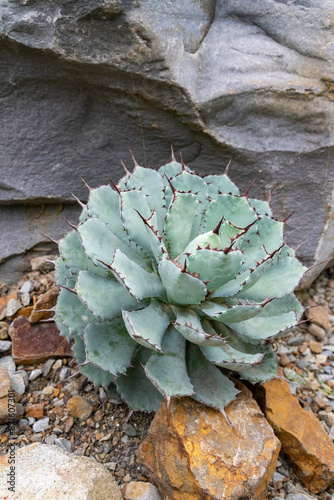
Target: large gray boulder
80,82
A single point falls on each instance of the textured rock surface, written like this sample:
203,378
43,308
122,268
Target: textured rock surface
218,79
37,343
138,490
47,301
302,436
48,472
191,452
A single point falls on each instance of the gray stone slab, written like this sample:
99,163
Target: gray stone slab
82,81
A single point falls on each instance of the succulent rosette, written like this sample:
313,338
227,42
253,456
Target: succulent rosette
170,282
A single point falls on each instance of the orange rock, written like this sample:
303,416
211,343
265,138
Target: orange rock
35,410
4,301
316,347
78,407
302,436
7,401
45,302
37,343
24,311
317,314
191,452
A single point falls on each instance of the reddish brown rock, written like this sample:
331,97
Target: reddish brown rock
317,314
191,452
78,407
302,436
43,305
37,343
35,410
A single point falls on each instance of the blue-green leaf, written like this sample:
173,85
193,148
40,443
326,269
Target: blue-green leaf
181,287
168,371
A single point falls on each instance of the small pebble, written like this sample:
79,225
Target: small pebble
35,374
41,425
129,430
8,362
47,367
12,307
27,287
51,439
25,299
315,347
64,444
57,365
49,389
5,345
64,373
17,383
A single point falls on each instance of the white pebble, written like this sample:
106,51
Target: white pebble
41,424
35,374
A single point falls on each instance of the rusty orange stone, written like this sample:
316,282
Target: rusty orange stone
35,410
36,343
191,452
302,436
45,302
24,311
4,301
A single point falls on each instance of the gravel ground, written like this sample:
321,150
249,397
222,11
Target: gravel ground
110,437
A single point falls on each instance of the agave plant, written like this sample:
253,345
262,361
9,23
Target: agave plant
172,281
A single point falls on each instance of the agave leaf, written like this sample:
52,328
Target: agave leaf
235,209
64,276
181,288
215,266
134,386
75,258
137,281
211,386
104,203
227,232
266,370
100,244
271,284
73,312
84,215
96,294
63,329
203,240
109,346
168,371
277,316
95,374
134,208
232,314
148,326
189,325
234,354
261,207
186,182
233,286
150,183
220,184
182,222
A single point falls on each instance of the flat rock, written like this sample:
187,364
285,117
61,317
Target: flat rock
78,407
48,472
317,315
43,305
17,383
216,79
302,436
36,343
5,345
191,452
317,332
8,362
139,490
